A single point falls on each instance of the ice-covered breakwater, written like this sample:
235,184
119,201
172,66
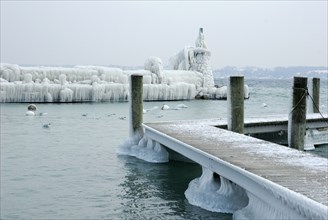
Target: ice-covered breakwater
97,84
191,77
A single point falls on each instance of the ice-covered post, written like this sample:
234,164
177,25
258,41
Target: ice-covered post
235,98
315,94
136,106
297,116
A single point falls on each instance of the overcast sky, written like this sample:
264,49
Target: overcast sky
239,33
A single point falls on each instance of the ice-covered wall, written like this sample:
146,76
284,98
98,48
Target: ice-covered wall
98,83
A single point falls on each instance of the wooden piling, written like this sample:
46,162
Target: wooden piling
297,116
136,105
315,94
235,97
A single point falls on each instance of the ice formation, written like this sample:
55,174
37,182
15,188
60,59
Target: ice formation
155,66
257,209
145,149
295,206
200,41
138,145
179,106
190,77
216,194
90,83
30,113
165,107
195,59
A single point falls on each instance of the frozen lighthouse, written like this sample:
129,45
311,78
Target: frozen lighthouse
195,59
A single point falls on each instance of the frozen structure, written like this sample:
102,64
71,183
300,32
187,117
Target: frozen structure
195,59
191,77
144,148
216,193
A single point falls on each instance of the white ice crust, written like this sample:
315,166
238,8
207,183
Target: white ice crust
98,84
217,195
195,59
139,146
145,149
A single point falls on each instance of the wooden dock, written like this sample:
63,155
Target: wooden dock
273,181
258,127
267,170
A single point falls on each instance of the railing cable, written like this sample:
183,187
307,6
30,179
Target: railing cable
315,105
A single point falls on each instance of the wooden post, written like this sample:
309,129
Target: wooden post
136,105
297,116
315,94
235,104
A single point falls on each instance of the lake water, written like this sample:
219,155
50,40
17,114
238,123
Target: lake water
71,170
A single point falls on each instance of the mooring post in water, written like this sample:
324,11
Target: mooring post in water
235,104
136,105
315,94
297,116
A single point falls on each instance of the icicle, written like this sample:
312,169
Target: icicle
155,65
259,209
66,95
215,195
62,79
27,78
144,150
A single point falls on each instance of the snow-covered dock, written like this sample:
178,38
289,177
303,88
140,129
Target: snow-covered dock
270,181
275,129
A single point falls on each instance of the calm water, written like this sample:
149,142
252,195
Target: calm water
72,171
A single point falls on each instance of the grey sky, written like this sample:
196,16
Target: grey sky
241,33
